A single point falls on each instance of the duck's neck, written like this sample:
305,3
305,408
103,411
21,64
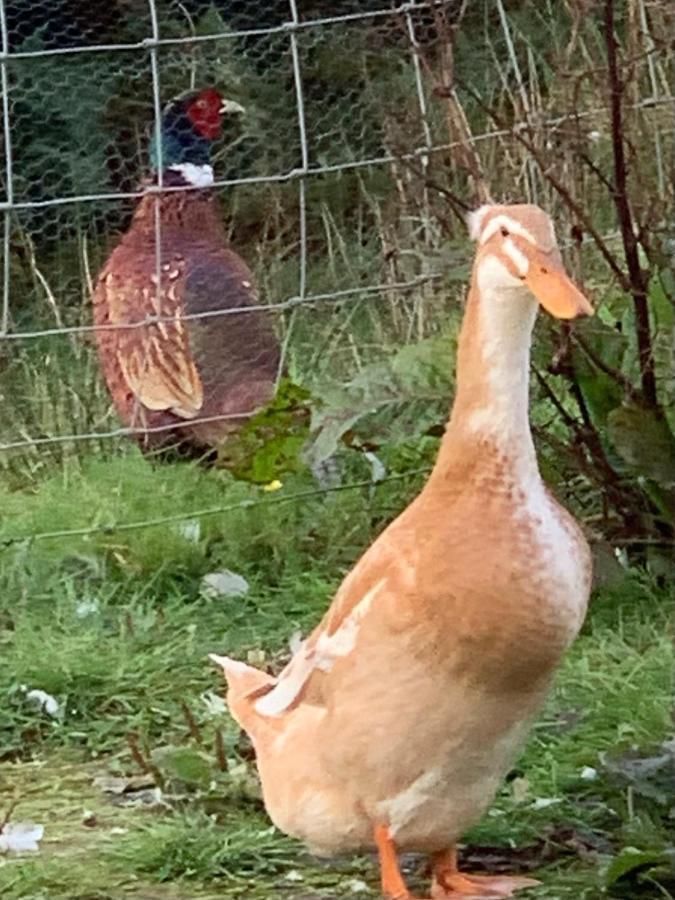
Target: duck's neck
489,419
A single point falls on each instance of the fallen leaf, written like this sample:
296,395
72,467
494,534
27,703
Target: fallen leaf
295,642
149,797
111,784
544,802
275,485
650,775
45,702
520,787
20,837
223,584
215,704
554,844
631,861
256,657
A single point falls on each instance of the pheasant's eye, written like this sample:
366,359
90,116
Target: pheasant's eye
504,231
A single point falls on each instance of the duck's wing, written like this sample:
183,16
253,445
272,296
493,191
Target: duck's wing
332,640
263,695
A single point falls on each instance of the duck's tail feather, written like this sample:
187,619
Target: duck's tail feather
245,685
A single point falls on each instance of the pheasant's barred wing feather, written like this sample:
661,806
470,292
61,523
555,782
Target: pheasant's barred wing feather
239,347
155,359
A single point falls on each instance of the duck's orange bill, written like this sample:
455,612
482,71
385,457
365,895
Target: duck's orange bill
554,289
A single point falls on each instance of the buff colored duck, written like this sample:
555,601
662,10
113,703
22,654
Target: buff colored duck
396,720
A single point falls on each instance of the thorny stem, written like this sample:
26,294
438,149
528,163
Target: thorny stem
219,747
13,803
558,186
191,722
143,761
637,282
586,435
599,363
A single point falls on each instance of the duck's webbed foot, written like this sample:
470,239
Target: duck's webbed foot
451,884
448,882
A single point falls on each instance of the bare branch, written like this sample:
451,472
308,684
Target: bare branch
558,186
637,286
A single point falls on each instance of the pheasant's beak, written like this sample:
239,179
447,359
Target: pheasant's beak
552,286
231,108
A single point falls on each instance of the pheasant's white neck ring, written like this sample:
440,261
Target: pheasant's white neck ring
199,176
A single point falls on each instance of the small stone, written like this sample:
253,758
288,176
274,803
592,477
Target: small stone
356,886
190,530
295,642
86,608
293,875
224,584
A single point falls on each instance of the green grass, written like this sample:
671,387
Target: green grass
116,629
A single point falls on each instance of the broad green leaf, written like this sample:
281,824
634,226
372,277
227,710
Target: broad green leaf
631,861
661,298
416,372
270,443
649,775
184,764
601,392
643,440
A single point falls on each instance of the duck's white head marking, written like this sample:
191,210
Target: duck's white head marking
517,248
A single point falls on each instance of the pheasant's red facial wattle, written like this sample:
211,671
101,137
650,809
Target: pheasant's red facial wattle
205,113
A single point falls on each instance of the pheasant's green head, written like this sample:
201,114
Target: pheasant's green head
190,124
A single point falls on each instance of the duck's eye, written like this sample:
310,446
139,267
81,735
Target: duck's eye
504,231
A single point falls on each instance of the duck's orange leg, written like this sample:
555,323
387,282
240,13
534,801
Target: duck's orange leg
393,885
450,884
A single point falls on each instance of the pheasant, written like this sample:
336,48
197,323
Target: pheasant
185,363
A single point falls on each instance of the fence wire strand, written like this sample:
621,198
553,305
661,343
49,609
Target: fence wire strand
382,159
305,156
252,503
9,181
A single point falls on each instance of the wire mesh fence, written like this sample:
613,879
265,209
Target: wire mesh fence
369,126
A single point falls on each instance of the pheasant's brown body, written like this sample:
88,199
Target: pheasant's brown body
182,380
